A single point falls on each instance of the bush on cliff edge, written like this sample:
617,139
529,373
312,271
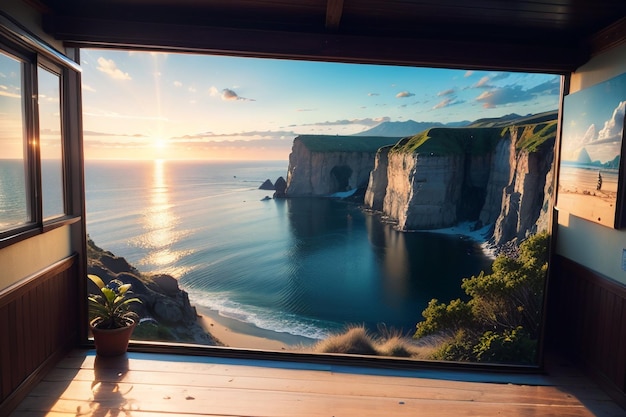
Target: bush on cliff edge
501,321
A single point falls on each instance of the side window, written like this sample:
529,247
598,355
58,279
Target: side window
50,143
15,204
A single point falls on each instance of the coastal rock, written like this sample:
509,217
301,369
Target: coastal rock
280,186
377,184
440,177
267,185
527,194
324,165
165,311
437,178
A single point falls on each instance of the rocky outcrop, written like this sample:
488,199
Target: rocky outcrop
525,198
488,175
280,186
324,165
165,311
377,184
267,185
435,179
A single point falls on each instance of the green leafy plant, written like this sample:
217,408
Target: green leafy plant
111,308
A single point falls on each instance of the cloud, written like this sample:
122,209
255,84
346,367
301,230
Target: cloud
346,122
12,95
446,92
483,83
178,84
468,74
404,94
94,133
550,87
230,95
305,110
114,115
451,101
613,128
87,87
213,91
442,104
373,94
109,67
498,96
191,90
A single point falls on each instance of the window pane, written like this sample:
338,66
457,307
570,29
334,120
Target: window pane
50,141
14,206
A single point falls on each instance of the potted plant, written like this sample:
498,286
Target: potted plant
110,318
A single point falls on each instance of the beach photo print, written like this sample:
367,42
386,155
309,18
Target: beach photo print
591,151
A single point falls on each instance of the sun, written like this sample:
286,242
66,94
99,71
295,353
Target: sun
160,143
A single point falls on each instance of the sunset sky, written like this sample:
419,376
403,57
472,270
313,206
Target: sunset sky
141,105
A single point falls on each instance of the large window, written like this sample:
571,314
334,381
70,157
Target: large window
177,146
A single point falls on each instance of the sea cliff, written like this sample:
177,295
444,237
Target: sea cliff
499,176
494,172
324,165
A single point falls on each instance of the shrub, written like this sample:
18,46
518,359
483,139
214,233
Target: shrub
500,322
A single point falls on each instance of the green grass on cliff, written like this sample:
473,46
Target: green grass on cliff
451,141
326,143
533,137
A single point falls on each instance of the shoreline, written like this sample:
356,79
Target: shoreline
237,334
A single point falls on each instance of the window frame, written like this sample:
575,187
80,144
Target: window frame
32,54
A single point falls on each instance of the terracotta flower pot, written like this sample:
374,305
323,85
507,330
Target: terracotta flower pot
112,342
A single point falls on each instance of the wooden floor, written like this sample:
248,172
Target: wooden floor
145,385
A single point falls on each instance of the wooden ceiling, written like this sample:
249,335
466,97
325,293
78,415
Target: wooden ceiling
528,35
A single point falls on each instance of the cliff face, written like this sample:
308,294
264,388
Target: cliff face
422,191
525,197
492,176
377,185
323,165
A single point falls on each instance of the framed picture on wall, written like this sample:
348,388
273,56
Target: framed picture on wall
591,172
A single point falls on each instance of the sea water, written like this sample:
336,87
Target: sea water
304,266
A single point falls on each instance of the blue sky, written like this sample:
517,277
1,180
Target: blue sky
141,105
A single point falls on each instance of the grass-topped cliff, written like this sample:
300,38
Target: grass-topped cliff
325,143
477,140
536,136
447,141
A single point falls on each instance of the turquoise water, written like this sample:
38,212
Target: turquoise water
302,266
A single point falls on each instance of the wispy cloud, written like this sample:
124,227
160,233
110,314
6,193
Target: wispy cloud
446,92
114,115
178,84
514,93
12,95
468,74
109,67
373,94
404,94
230,95
87,87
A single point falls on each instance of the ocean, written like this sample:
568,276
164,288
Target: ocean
303,266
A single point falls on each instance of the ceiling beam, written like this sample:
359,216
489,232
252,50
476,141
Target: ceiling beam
334,10
439,53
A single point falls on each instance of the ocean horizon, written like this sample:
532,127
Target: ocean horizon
302,266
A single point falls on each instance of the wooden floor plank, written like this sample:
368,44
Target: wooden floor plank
358,385
165,385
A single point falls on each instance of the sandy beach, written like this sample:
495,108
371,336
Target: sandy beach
237,334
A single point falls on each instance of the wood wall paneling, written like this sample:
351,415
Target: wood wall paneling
36,328
587,322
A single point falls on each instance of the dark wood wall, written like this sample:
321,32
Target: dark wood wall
587,322
37,327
